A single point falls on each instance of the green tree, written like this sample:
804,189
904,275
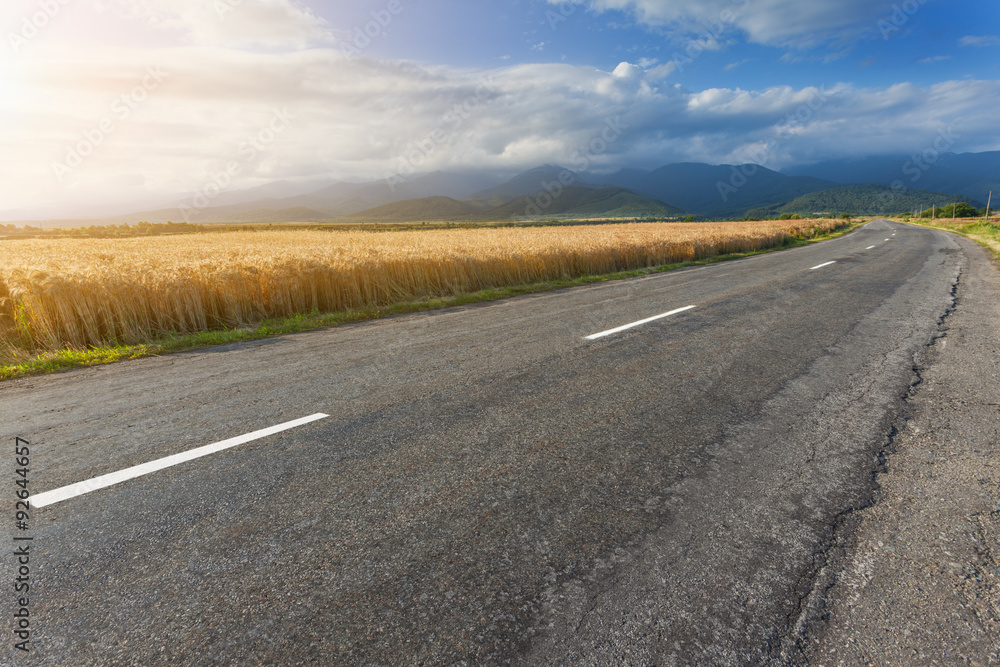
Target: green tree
959,210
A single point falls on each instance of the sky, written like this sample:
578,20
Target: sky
133,102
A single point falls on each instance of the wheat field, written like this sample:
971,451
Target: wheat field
77,293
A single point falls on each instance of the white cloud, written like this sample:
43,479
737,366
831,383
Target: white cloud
269,23
664,70
980,40
784,23
360,119
627,71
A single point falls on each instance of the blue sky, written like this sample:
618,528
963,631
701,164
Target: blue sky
139,100
924,49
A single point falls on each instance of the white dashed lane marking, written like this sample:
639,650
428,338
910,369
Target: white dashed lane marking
639,323
80,488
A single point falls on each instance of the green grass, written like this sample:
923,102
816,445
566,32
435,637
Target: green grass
53,362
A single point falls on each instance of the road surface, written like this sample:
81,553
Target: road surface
494,484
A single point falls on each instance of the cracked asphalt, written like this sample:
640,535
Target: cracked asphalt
491,487
915,578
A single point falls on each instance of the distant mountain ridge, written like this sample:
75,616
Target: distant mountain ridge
716,190
583,202
558,201
417,210
330,202
704,190
547,177
968,174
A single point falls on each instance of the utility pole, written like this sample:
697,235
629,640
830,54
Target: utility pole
988,202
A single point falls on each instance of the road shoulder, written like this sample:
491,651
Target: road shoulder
915,578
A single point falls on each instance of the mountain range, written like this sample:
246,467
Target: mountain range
892,184
971,175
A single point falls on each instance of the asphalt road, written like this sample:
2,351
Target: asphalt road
490,486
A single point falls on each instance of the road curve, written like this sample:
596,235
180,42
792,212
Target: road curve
491,485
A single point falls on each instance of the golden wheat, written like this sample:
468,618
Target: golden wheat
73,293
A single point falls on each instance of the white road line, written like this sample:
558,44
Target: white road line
640,322
887,239
80,488
870,247
821,266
